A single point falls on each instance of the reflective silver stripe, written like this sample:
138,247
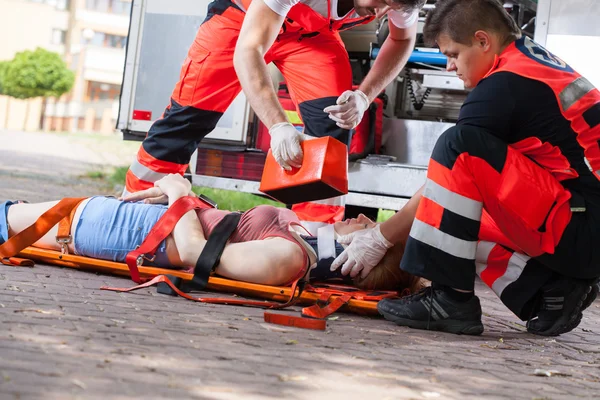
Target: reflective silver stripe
574,91
481,255
447,243
239,4
454,202
439,309
516,263
144,173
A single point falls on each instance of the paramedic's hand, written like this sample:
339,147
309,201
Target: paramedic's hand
285,145
159,193
367,247
350,108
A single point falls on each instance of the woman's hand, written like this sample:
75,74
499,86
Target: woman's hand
170,187
174,186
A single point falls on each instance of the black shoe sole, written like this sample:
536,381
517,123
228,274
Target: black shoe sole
446,325
570,321
591,296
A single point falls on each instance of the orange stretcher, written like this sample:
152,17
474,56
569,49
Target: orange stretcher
325,298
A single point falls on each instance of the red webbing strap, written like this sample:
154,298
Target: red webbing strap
315,311
37,230
163,228
212,300
297,322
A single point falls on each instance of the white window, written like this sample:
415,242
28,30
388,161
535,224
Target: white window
58,36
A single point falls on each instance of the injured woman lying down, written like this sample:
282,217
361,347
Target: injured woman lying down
269,245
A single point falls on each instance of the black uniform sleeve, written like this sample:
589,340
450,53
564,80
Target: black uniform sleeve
490,106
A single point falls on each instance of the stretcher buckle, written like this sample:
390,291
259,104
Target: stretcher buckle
63,242
140,259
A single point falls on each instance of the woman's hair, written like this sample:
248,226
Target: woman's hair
387,275
460,19
409,5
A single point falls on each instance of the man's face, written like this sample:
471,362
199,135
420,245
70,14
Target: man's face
377,8
471,63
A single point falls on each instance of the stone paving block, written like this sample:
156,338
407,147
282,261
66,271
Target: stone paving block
119,345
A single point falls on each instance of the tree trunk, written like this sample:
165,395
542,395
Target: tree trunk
43,113
26,114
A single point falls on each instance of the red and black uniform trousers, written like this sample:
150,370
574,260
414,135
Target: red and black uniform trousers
314,64
488,209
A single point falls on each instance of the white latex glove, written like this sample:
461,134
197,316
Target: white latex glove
366,249
350,108
285,145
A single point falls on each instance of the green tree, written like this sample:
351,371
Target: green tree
39,73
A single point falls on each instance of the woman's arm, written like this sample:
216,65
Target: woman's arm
188,234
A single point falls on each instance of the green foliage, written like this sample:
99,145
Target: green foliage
3,66
235,201
384,215
118,176
38,73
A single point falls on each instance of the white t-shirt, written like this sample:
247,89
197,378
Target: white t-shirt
282,7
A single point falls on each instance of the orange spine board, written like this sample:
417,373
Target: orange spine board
276,293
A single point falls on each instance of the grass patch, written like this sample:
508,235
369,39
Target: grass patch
118,176
384,215
235,201
96,174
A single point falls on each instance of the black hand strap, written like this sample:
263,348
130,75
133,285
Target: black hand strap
211,254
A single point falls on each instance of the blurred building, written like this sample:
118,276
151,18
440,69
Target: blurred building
91,35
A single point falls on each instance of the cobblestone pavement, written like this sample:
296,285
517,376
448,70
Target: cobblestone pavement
63,338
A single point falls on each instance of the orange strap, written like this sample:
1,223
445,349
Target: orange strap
63,236
297,322
315,311
212,300
17,262
38,229
163,228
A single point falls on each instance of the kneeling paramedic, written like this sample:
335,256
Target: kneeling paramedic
512,191
301,38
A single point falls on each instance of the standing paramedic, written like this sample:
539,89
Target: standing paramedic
512,191
231,51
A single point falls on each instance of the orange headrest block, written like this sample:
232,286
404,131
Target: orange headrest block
323,174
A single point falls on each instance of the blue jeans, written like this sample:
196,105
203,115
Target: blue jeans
108,229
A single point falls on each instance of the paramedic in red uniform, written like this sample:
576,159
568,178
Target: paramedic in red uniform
301,38
512,191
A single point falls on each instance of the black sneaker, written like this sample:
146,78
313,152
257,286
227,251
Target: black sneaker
562,304
432,309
